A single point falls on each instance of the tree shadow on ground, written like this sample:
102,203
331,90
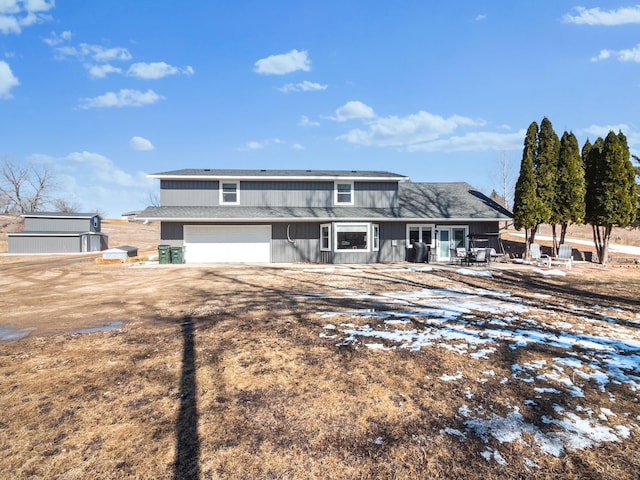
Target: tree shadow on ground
187,439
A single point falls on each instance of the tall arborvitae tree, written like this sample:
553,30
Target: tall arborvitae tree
612,193
526,204
636,169
569,206
546,170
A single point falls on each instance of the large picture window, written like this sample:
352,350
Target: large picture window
229,192
352,236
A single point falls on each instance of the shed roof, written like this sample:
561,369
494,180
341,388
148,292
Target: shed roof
58,215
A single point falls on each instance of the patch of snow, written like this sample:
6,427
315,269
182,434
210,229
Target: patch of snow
553,271
452,431
593,347
474,273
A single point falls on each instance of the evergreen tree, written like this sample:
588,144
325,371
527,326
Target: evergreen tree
526,204
636,169
546,171
569,206
612,194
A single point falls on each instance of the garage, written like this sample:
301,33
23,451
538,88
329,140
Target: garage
227,243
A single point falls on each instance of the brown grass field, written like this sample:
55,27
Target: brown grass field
305,372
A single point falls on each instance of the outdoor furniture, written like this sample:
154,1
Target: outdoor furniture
479,255
564,257
538,257
457,255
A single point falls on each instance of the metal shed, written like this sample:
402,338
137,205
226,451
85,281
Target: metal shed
58,232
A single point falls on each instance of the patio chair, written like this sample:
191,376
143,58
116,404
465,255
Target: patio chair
564,257
538,257
482,255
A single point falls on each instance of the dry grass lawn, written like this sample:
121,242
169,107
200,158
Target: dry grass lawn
303,372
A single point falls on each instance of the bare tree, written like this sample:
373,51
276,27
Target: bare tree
65,206
154,199
24,187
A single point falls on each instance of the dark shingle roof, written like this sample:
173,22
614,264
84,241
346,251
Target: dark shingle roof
239,213
417,202
241,173
447,201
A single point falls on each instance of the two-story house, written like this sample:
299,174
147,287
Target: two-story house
321,216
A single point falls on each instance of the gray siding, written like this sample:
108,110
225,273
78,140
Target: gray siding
59,224
188,193
307,242
286,194
34,244
376,194
185,193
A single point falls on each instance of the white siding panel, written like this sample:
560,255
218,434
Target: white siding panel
227,243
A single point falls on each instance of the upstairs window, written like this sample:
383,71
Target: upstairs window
229,192
343,193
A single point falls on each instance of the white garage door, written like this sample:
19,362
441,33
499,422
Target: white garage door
227,243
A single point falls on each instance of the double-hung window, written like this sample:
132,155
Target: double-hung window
325,237
229,192
343,193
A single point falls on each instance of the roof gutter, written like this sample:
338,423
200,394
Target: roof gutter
320,219
278,177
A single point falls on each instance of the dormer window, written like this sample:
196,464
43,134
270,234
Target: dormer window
343,193
229,192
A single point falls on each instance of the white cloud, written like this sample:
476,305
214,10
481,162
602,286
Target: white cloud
141,144
101,71
352,110
96,182
155,70
283,63
56,39
123,98
97,53
480,17
305,122
7,80
473,142
595,16
9,25
595,131
305,86
259,144
411,130
15,14
628,55
297,146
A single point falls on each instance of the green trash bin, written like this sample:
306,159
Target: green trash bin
164,254
176,255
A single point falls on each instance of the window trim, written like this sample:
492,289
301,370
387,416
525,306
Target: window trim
375,237
328,247
432,226
335,192
351,250
221,191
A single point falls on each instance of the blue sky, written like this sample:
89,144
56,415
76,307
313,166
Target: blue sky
106,91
